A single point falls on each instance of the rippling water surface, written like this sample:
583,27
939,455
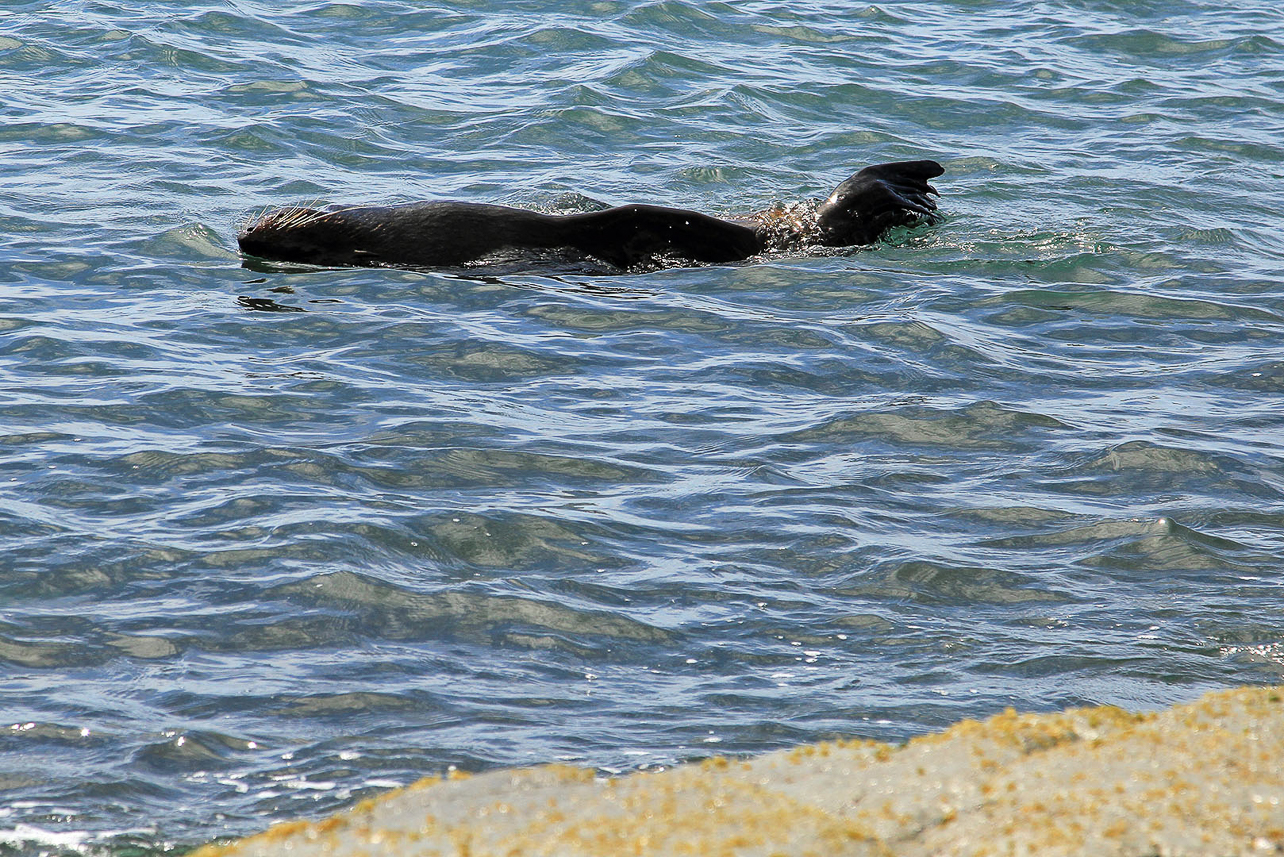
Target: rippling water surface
259,564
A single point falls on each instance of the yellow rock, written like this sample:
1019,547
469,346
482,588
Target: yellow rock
1200,779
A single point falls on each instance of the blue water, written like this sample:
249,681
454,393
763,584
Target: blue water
258,565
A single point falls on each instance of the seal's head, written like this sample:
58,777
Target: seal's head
875,199
298,234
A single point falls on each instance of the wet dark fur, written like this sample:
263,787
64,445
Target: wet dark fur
450,234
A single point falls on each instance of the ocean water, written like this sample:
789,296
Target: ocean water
260,564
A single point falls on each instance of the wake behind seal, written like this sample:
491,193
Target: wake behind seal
453,234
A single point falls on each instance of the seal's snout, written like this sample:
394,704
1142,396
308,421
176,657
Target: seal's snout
293,234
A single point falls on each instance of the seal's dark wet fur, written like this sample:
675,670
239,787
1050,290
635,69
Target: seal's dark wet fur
451,234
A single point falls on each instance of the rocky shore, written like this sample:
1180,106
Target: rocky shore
1206,778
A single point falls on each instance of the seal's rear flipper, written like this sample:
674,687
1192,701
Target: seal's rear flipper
876,199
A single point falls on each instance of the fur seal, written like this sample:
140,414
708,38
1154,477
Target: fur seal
453,234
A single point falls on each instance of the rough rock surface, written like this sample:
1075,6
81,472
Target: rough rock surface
1200,779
